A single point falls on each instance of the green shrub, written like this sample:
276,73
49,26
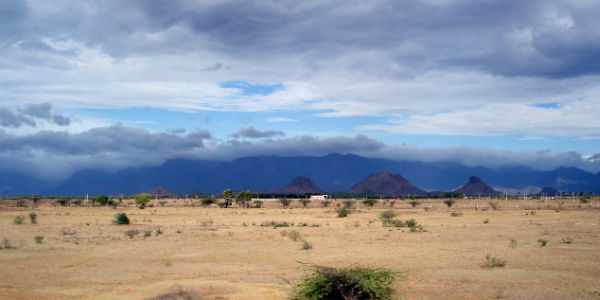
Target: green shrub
456,214
491,262
343,212
304,202
349,203
121,219
370,202
207,202
131,233
294,235
326,203
346,283
62,201
387,215
33,218
103,200
414,203
18,220
285,201
258,203
449,202
276,224
243,199
542,242
38,239
486,221
142,200
76,202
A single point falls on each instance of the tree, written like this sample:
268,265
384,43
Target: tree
284,201
103,200
304,202
228,197
243,199
142,199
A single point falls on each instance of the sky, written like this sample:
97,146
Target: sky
113,84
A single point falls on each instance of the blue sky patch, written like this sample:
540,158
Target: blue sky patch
250,89
548,105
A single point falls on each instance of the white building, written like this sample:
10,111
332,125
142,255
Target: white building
318,197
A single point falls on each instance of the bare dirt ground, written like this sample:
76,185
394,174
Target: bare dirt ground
218,253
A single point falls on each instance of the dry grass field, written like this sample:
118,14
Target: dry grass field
217,253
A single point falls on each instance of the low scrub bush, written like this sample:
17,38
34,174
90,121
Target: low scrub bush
17,220
450,202
131,233
6,245
121,219
325,203
456,214
360,283
542,242
33,218
491,262
486,221
276,224
285,202
495,205
370,202
304,202
207,202
387,216
567,240
102,200
343,212
38,239
414,203
258,203
349,203
306,245
294,235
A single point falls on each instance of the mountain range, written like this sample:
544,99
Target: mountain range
331,173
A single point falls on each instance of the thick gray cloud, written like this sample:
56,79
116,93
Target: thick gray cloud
31,113
55,154
532,38
254,133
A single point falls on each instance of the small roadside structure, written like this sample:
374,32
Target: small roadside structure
318,197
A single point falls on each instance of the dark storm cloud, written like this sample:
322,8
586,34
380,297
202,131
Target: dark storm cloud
29,114
532,38
116,139
59,154
254,133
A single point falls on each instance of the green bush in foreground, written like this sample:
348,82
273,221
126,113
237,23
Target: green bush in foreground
358,283
121,219
18,220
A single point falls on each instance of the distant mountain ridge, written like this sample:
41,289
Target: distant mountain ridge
331,173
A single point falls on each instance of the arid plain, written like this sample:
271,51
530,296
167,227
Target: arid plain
236,253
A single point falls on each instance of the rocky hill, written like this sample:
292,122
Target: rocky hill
386,183
476,187
300,185
161,192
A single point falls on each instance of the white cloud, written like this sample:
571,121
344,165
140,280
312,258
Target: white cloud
280,119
